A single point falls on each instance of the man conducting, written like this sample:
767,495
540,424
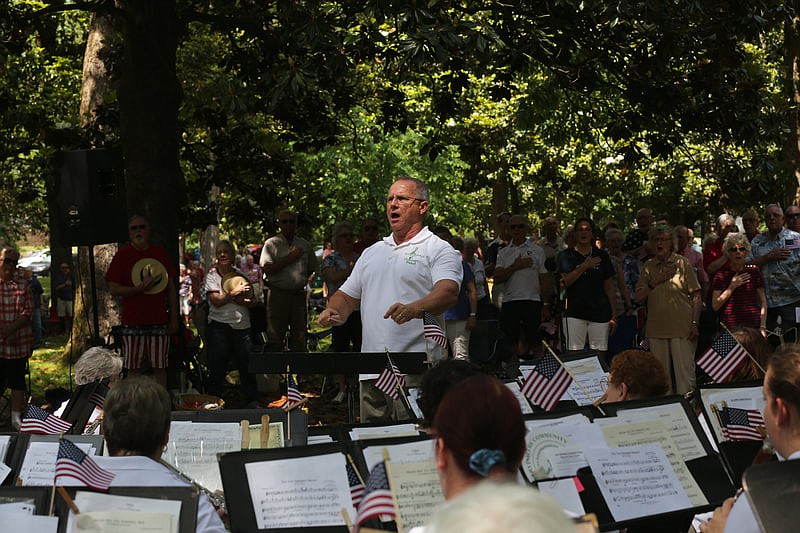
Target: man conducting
395,281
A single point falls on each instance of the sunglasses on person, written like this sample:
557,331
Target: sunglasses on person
737,249
517,226
792,215
9,261
137,227
287,221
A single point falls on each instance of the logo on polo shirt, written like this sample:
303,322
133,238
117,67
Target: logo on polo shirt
411,257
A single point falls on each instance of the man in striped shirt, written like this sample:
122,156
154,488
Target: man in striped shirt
16,335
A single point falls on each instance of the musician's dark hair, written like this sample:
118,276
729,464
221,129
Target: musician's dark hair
481,413
136,417
438,380
784,374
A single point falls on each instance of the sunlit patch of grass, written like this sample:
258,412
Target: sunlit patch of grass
49,369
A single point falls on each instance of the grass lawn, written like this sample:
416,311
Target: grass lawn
48,368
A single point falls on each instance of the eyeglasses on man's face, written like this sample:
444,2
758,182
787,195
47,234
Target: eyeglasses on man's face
733,249
288,221
517,226
793,215
136,227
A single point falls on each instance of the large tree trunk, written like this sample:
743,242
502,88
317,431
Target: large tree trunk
95,85
792,148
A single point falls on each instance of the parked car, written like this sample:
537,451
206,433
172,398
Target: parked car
38,261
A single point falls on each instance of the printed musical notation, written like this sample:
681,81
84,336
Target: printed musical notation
299,492
418,491
637,481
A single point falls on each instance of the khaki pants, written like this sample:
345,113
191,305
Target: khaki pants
677,354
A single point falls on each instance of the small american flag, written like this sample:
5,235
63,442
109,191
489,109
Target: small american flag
356,486
741,424
74,464
547,383
98,397
722,358
293,395
433,330
378,500
644,345
390,379
37,420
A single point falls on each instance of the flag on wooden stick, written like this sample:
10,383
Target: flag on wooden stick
37,420
547,383
722,358
378,500
433,330
73,463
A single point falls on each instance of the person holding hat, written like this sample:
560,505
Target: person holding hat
143,276
231,295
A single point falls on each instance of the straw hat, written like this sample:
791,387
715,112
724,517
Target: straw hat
232,280
152,268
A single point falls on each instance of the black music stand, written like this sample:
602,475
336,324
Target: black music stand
334,363
737,455
299,436
233,468
186,495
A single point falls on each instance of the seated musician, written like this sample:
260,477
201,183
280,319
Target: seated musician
136,428
480,434
782,421
95,364
506,507
636,374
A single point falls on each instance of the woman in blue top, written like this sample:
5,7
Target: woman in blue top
588,277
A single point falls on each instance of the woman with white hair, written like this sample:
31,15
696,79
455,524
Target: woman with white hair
97,364
738,288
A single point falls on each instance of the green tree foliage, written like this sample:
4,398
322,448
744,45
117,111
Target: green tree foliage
569,107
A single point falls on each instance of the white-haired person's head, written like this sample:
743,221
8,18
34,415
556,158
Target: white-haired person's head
97,363
507,507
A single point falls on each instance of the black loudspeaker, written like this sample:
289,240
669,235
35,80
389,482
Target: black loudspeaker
90,198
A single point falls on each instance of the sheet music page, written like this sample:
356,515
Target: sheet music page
39,465
193,449
89,502
5,470
413,401
740,398
123,522
5,442
319,439
636,481
675,419
418,490
555,422
276,438
588,377
22,506
513,386
382,432
638,433
300,492
417,451
565,493
29,523
555,450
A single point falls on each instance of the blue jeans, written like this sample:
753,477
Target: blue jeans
223,343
